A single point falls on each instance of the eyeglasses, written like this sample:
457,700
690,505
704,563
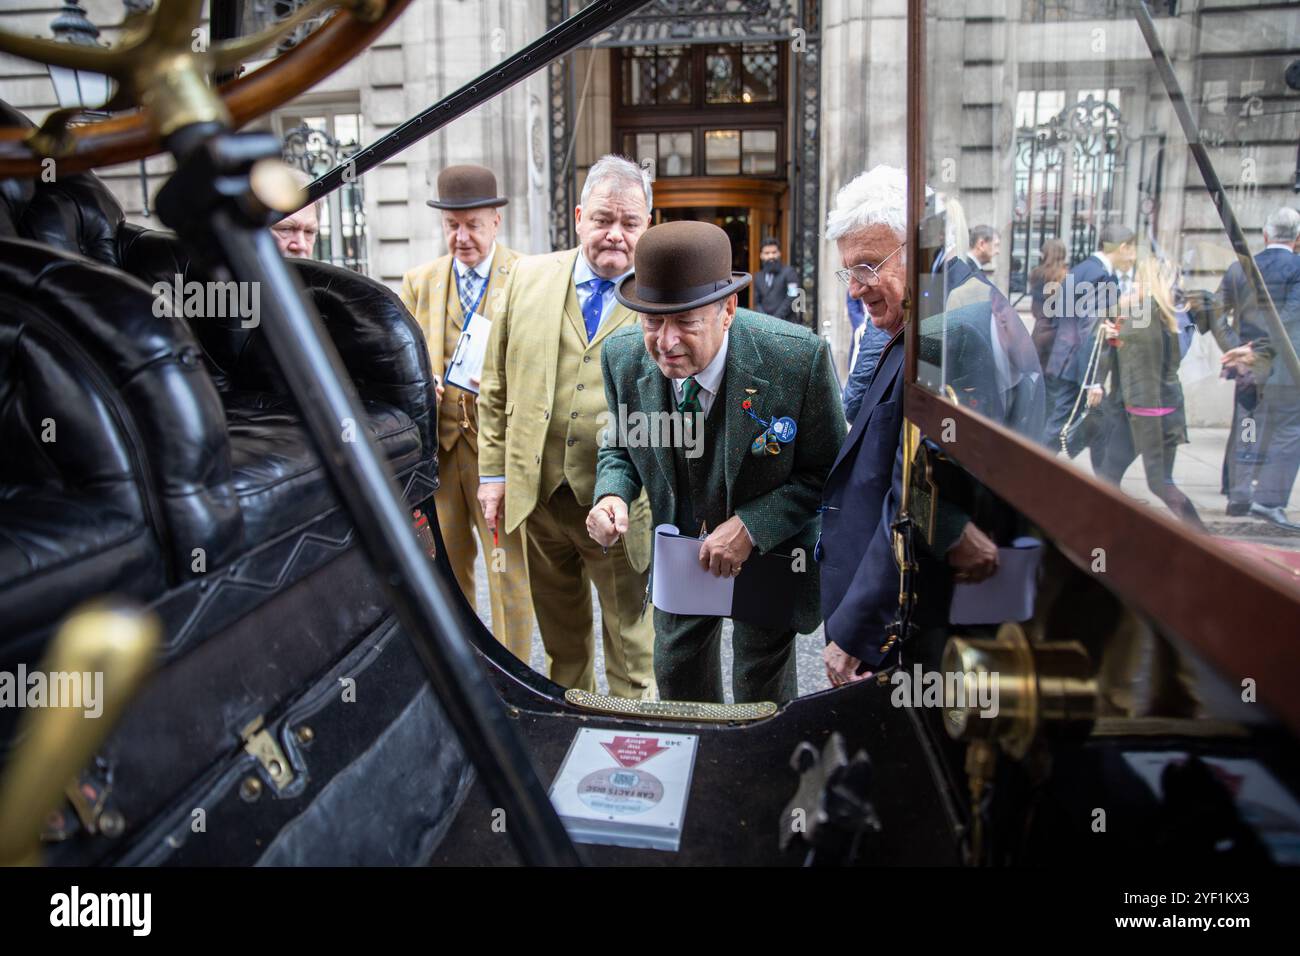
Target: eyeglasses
864,272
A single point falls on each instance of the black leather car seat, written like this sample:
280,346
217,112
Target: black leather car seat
115,463
277,476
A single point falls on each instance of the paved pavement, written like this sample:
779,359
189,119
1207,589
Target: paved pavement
1196,471
808,647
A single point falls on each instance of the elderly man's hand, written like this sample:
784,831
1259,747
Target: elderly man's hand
437,387
1095,394
974,557
607,520
841,666
490,496
725,550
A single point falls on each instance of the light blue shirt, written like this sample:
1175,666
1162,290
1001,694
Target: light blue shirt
582,274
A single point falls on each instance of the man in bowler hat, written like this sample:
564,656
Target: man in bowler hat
442,295
696,354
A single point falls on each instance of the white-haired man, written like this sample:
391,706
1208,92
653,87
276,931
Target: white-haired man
1260,466
541,410
296,233
859,578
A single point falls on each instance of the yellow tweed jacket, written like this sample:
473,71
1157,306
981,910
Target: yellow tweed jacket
426,287
542,407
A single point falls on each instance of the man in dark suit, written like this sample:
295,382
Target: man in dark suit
1261,462
1089,293
859,575
776,289
732,372
1011,366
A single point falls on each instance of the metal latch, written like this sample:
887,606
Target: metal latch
262,744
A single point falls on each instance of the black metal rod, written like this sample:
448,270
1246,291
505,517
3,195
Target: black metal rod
569,35
227,16
423,601
1281,342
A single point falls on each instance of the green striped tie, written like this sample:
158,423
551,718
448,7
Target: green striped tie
690,396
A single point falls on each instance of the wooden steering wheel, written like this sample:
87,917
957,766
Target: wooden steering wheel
163,80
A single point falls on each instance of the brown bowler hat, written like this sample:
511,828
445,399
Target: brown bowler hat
680,266
467,187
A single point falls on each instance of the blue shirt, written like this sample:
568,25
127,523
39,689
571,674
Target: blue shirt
873,343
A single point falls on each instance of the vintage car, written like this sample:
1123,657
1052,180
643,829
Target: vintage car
216,516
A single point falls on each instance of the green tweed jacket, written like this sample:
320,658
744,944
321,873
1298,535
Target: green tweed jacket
784,370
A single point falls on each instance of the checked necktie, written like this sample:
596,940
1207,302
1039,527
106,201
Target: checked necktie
469,286
595,302
690,402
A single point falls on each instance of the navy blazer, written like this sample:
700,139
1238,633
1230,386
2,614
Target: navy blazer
859,578
1084,293
1023,406
1281,272
956,270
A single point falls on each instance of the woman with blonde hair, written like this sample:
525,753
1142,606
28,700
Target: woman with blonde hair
1144,400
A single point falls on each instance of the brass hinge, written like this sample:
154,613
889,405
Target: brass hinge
259,742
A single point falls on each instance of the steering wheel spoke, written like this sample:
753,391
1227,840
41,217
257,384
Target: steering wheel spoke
164,79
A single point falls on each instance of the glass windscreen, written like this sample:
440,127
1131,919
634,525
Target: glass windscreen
1111,241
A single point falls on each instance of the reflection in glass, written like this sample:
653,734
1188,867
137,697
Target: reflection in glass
671,152
640,146
675,153
656,76
722,152
746,73
758,151
1162,365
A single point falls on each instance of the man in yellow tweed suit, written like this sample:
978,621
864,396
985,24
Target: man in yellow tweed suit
542,410
441,294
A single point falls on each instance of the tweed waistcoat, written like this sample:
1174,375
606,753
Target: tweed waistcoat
457,405
701,491
575,421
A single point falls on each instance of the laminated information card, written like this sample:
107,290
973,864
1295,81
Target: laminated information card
625,789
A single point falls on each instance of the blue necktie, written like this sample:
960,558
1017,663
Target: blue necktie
591,311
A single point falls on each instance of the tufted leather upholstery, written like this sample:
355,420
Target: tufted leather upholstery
100,507
380,344
278,477
174,433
